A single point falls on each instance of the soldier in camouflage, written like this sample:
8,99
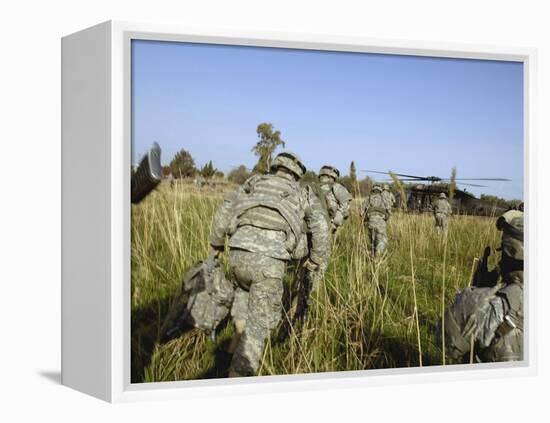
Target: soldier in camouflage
442,211
266,221
488,320
376,213
337,197
388,196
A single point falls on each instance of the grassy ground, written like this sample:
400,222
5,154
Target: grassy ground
366,315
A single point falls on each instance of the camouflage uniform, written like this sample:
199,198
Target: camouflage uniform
388,196
490,319
376,212
266,221
337,197
442,211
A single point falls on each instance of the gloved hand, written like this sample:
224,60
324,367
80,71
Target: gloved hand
311,265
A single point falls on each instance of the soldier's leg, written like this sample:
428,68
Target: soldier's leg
239,313
445,224
372,236
264,313
381,237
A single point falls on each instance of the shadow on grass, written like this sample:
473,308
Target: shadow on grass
222,361
147,331
396,352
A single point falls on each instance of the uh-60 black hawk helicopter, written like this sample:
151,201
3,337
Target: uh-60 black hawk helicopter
421,195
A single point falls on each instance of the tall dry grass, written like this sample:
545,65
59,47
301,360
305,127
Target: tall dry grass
367,314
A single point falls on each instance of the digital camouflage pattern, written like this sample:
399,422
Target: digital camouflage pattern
388,197
338,200
489,321
442,211
279,205
257,306
375,213
268,221
210,294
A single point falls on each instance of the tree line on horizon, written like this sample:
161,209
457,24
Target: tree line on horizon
269,140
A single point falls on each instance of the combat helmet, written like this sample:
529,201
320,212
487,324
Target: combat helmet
511,225
330,171
442,195
289,161
377,188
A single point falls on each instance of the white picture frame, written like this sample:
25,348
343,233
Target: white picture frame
96,212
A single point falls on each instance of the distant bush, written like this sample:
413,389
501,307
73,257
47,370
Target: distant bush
238,175
183,165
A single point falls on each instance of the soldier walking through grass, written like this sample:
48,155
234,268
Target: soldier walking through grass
442,211
266,221
337,197
376,213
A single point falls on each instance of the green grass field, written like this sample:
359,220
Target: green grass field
366,314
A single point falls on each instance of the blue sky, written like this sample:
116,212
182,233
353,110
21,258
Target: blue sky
414,115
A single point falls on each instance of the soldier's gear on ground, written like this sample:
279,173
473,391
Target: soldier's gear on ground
148,174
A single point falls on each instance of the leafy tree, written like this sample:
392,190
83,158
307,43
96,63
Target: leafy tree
501,202
238,175
268,141
166,170
183,165
218,174
208,170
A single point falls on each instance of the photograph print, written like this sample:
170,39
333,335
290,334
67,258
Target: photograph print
307,211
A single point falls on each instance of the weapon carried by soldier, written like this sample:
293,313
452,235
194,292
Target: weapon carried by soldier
483,278
306,283
147,175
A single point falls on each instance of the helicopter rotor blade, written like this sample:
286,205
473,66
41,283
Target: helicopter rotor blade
478,179
483,179
472,185
397,174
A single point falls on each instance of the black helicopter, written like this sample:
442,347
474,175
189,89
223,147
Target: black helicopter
420,196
